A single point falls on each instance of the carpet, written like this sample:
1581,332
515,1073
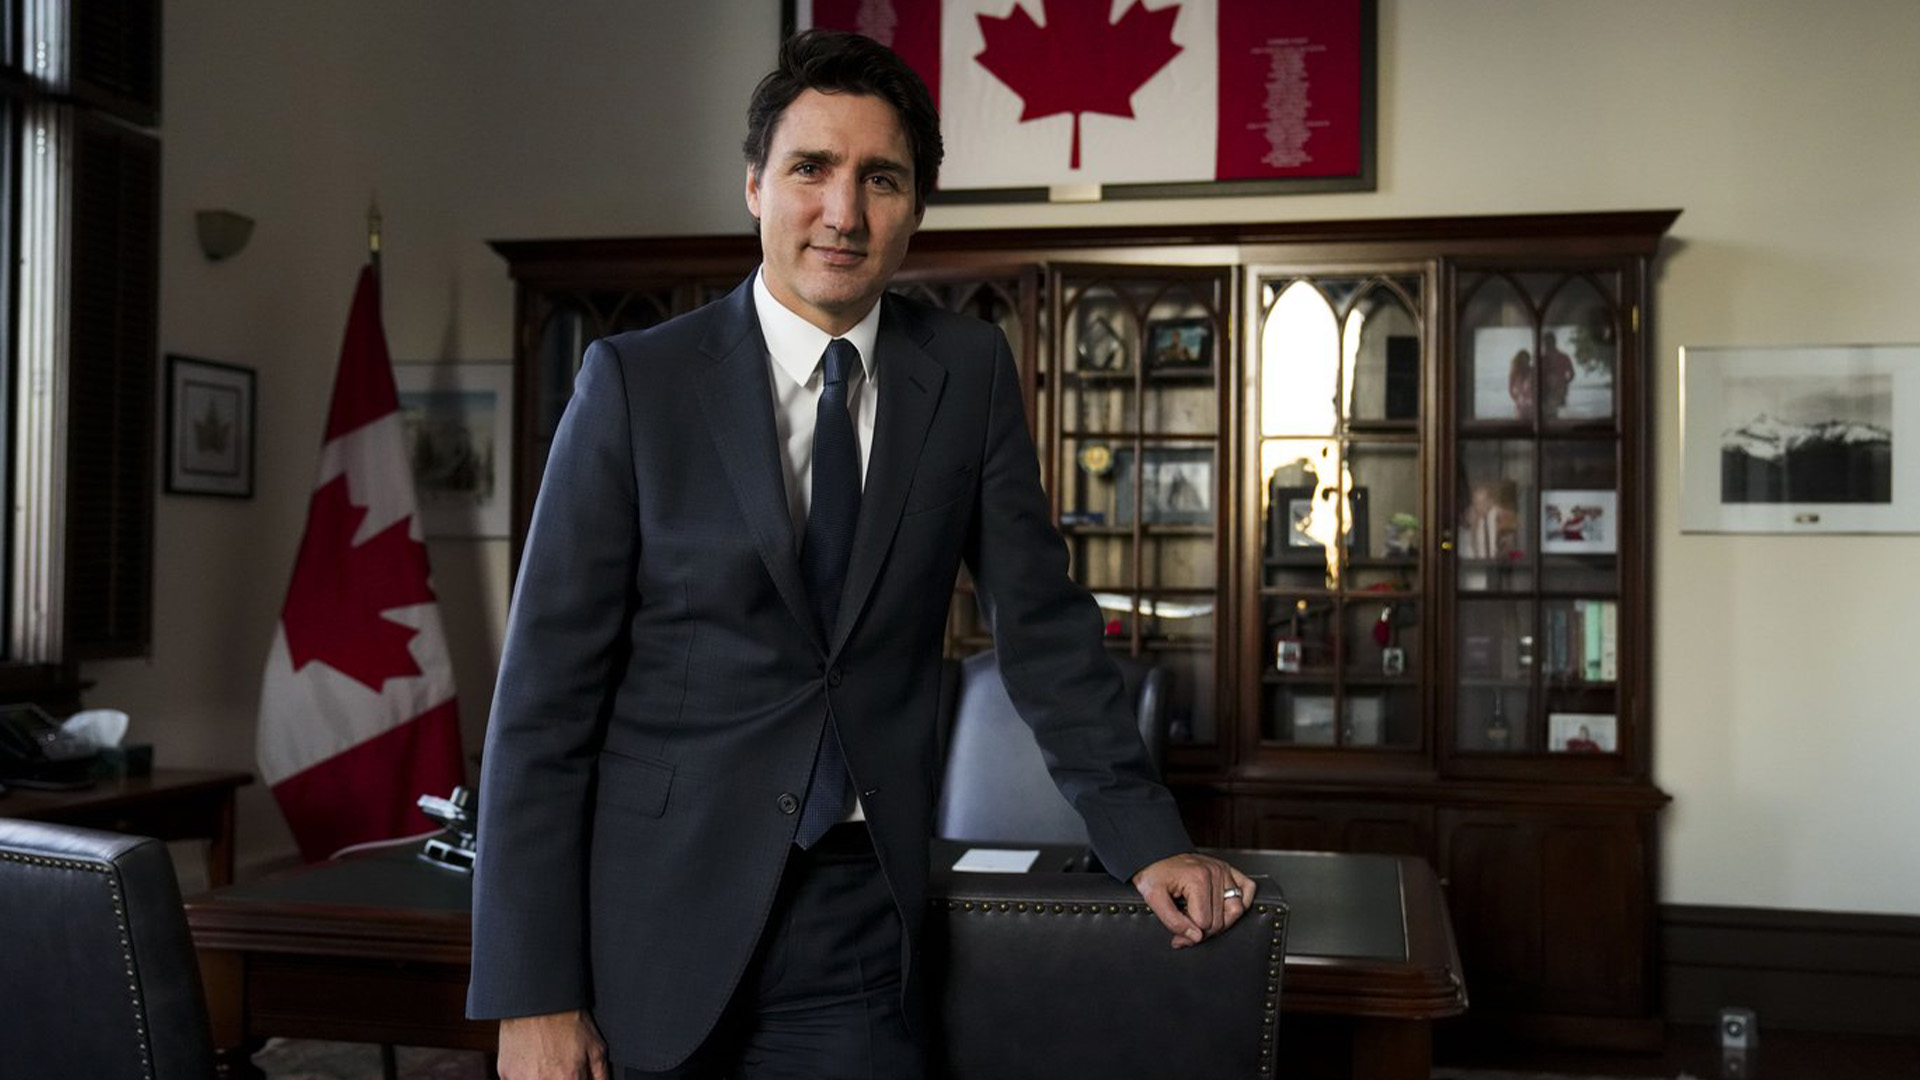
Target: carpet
310,1059
307,1059
1506,1075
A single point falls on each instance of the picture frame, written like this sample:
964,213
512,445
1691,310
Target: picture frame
210,428
1290,508
1312,719
1178,482
1098,346
1583,733
1579,522
457,424
1201,120
1800,439
1184,344
1510,380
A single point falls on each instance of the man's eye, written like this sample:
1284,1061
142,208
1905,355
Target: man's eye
807,168
884,182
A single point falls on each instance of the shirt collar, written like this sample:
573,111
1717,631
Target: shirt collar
797,344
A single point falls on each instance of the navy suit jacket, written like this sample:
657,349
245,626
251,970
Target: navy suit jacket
663,685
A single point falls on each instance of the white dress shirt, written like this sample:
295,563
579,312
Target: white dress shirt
795,350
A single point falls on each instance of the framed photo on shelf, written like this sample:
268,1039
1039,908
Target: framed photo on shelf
1567,374
1180,344
1800,439
1579,522
1098,344
1312,717
1366,717
1176,481
210,416
1296,521
457,423
1583,733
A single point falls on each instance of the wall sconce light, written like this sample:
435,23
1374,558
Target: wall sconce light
222,232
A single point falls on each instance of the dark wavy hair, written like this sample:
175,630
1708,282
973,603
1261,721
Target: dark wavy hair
833,62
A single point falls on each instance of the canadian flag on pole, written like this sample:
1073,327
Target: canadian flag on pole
357,710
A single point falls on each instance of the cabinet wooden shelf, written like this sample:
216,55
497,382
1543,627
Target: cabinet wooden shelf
1455,388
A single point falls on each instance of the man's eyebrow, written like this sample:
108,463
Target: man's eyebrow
824,157
884,164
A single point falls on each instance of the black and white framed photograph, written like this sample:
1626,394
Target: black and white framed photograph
1579,522
1177,482
457,421
1583,733
1180,344
210,411
1566,375
1800,439
1300,519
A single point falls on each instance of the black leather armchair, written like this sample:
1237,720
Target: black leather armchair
1042,976
98,969
995,787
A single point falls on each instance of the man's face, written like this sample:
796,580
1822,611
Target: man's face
836,206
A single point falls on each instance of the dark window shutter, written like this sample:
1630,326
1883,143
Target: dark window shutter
112,344
115,58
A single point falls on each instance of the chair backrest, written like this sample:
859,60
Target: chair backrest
100,978
995,786
1039,976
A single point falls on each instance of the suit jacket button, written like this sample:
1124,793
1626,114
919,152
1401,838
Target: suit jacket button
833,677
788,804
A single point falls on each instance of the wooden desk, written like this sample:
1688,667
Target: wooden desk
171,804
375,949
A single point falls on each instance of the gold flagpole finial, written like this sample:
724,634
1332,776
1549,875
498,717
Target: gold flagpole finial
373,230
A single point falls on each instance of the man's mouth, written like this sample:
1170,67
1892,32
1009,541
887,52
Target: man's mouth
840,256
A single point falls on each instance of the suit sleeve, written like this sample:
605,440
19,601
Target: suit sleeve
563,652
1047,633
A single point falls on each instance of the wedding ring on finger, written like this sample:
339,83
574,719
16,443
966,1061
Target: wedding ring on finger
1230,894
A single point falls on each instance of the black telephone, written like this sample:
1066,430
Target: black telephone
35,753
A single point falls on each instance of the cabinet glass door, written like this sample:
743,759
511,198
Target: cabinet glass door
1138,474
1537,525
1336,409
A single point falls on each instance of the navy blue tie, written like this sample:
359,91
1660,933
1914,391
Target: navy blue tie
823,561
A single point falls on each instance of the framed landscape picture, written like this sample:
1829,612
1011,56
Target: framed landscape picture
457,421
1800,439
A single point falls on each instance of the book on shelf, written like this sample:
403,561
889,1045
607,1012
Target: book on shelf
1583,641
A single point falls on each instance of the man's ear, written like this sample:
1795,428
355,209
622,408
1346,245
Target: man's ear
753,192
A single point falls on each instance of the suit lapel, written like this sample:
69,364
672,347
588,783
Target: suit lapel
910,383
738,406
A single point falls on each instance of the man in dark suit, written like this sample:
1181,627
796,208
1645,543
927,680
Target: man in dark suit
709,777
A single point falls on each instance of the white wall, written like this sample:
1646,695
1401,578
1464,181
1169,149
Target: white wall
1784,130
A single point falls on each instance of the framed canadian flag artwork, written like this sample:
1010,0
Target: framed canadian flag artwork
1102,99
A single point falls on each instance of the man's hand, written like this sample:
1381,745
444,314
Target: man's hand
557,1046
1216,895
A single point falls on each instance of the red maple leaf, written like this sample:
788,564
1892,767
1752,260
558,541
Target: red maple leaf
1079,62
340,590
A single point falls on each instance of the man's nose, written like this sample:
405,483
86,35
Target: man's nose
845,209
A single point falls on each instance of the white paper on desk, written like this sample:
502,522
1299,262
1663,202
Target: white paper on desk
996,861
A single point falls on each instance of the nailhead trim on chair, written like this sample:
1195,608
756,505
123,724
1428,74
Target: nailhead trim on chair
1276,950
126,937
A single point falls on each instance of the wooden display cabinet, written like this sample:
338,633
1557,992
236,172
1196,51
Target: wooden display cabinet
1375,492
